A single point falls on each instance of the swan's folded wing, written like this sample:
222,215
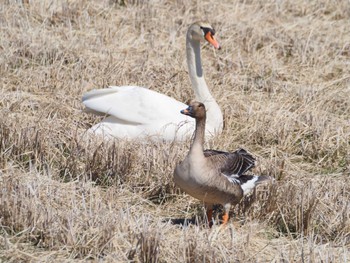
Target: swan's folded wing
231,164
134,104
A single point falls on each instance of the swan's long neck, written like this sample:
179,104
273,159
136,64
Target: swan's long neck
199,85
198,141
195,69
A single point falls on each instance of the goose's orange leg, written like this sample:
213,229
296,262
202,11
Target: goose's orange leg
225,218
210,216
209,209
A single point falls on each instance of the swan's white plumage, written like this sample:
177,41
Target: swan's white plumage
136,112
140,112
136,105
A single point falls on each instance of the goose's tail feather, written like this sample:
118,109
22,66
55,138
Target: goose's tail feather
249,182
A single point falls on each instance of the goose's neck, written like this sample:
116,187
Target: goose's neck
198,141
195,69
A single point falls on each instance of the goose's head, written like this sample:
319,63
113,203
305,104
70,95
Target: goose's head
203,31
195,110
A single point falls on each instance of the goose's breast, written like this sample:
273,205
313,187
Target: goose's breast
197,180
189,175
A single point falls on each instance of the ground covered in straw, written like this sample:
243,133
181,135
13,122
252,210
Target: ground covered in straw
282,80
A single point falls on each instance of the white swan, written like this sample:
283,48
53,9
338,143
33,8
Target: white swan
136,112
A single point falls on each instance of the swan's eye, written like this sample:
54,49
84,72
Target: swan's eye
206,30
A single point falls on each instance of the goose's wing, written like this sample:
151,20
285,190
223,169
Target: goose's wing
135,105
231,164
234,165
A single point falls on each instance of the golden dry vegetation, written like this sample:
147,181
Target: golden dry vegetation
282,80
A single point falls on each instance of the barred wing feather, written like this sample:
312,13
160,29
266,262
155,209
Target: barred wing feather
232,164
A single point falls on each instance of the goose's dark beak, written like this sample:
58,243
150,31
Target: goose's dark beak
187,111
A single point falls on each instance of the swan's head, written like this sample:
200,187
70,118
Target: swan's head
195,110
203,31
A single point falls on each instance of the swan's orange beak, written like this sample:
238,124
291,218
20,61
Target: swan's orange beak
211,39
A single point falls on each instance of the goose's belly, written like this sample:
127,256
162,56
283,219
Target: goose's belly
196,183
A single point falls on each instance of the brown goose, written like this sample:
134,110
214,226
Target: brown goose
214,177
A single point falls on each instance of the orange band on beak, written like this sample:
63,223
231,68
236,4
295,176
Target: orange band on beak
210,38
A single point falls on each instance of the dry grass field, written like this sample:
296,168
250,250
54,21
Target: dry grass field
282,80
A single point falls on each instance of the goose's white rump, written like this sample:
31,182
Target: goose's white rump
137,112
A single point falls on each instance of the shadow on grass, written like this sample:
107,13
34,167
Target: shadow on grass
186,222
